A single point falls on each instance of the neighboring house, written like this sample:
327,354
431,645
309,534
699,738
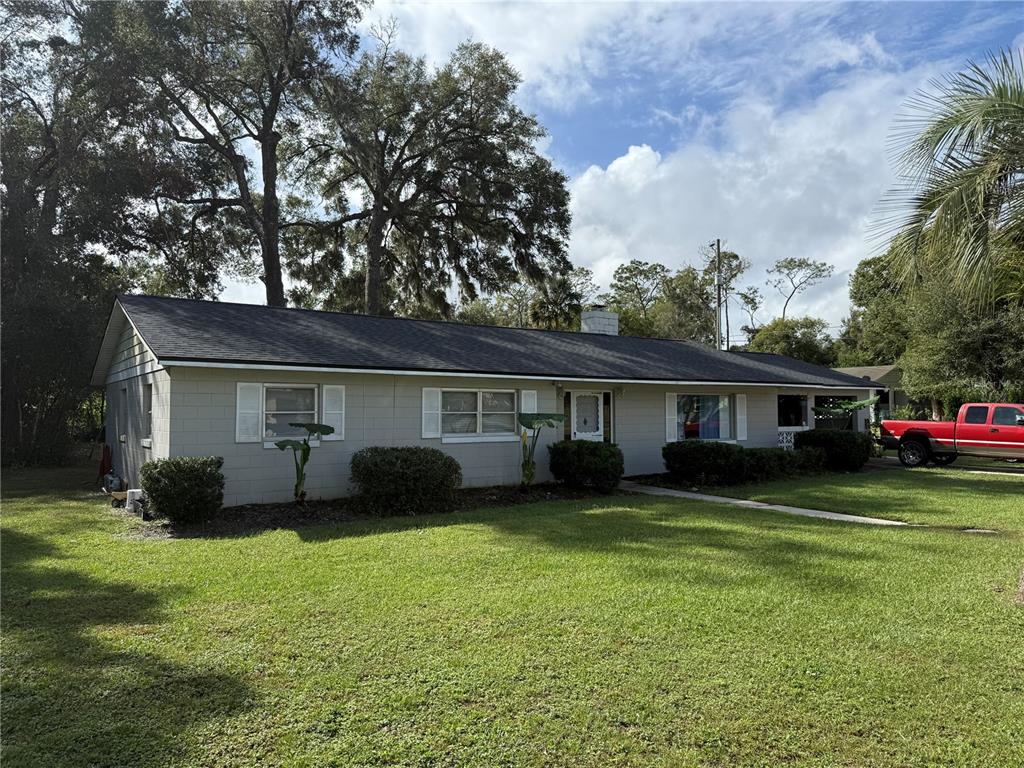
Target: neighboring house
187,377
890,394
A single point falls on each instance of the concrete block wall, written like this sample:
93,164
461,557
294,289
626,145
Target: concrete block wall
386,410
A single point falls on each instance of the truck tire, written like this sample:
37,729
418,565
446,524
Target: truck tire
913,453
943,459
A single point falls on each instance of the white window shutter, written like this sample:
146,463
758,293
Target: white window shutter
248,412
741,417
431,412
528,401
724,417
334,411
671,419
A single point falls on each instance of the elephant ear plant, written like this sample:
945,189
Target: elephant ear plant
533,423
300,453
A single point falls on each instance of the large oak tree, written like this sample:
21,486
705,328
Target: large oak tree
232,80
435,178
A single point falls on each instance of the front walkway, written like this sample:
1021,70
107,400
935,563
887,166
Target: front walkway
651,490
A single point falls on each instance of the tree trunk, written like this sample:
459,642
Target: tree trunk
271,238
374,257
936,409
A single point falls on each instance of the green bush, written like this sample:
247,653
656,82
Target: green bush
845,451
769,464
184,489
406,480
704,462
810,460
585,463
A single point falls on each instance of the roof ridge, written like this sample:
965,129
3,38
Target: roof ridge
412,319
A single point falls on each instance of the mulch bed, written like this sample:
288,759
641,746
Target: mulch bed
249,519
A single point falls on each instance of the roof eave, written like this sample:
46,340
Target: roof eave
108,344
303,367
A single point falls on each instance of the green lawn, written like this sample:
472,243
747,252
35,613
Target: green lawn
932,496
626,631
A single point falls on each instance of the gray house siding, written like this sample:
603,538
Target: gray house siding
384,409
125,422
379,410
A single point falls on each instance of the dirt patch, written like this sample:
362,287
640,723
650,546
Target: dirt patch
253,518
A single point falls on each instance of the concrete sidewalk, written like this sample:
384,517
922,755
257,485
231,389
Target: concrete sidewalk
652,490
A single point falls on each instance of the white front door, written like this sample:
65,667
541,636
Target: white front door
587,416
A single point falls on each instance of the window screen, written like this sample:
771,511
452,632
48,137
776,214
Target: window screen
472,413
283,406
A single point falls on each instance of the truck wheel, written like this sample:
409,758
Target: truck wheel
944,459
913,453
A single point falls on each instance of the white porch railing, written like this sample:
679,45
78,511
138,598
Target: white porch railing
786,436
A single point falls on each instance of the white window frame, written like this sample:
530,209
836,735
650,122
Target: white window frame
730,396
480,436
147,414
124,416
263,409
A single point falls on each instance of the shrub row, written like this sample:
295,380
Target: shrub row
701,462
587,464
845,451
415,480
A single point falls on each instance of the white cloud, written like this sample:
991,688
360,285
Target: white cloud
552,46
563,49
802,182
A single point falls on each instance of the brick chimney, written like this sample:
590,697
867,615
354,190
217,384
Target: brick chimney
599,319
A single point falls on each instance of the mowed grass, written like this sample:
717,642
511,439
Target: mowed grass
926,496
624,631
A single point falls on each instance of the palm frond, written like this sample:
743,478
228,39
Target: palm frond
958,206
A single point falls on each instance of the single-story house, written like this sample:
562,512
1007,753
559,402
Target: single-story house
203,378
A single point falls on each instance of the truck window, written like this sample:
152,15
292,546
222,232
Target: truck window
976,414
1005,415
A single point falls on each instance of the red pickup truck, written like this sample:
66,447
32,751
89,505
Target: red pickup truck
992,430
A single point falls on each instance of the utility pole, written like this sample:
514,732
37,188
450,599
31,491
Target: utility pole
718,293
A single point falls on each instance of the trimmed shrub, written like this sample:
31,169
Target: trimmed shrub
845,451
184,489
704,462
585,463
406,480
769,464
810,460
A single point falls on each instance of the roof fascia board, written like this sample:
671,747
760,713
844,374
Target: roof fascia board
172,363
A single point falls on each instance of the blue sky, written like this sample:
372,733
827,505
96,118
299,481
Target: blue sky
765,124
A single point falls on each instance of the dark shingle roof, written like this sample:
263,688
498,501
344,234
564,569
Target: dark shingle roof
188,330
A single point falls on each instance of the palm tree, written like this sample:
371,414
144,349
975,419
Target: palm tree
958,210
